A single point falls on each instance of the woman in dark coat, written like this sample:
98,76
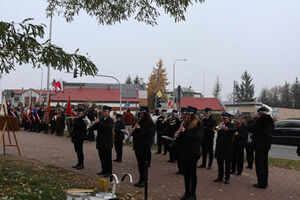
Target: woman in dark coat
119,137
189,140
78,135
142,134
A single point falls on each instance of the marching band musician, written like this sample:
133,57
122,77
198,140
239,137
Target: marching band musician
262,135
119,137
142,135
208,140
160,127
78,135
104,142
224,148
172,126
189,139
177,146
240,140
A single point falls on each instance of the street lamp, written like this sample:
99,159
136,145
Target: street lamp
174,74
107,76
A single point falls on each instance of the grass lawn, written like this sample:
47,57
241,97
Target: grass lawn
23,178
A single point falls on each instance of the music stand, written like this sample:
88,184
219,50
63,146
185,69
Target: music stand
9,124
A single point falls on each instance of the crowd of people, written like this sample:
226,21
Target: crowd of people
183,135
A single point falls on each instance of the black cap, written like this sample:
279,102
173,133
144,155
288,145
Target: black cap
144,109
163,110
106,108
207,110
191,110
174,111
242,115
263,109
226,115
183,109
80,110
119,115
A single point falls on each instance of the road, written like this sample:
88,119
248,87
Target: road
283,151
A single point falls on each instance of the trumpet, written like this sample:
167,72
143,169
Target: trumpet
219,126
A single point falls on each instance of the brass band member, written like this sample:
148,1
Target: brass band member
119,137
189,139
160,127
240,140
104,142
171,127
142,140
176,145
78,136
208,140
224,148
262,134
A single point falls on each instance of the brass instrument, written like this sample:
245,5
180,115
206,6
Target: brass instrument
219,126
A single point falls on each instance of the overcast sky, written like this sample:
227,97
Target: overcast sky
219,38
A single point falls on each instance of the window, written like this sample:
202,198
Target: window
281,124
16,99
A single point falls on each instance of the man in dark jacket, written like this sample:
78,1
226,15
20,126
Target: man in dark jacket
208,140
239,143
142,140
262,135
224,148
104,142
160,127
91,115
119,137
78,136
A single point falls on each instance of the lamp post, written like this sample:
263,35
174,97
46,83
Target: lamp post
107,76
174,74
48,73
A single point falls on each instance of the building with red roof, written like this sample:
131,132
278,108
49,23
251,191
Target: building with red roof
202,103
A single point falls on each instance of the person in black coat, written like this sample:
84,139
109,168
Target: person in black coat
262,135
160,127
240,140
142,134
249,145
189,137
77,137
91,115
224,148
104,141
208,140
172,126
119,137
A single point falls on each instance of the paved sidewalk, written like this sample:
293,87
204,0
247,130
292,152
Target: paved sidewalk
284,184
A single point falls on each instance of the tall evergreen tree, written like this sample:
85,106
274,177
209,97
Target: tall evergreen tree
275,96
295,94
246,88
264,96
236,92
157,81
285,96
217,88
136,80
128,80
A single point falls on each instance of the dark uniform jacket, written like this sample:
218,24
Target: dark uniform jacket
190,142
208,125
79,133
224,147
104,133
159,125
242,137
173,124
118,127
142,137
262,133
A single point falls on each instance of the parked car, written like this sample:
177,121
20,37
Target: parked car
287,132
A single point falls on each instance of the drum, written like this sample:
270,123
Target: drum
78,194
